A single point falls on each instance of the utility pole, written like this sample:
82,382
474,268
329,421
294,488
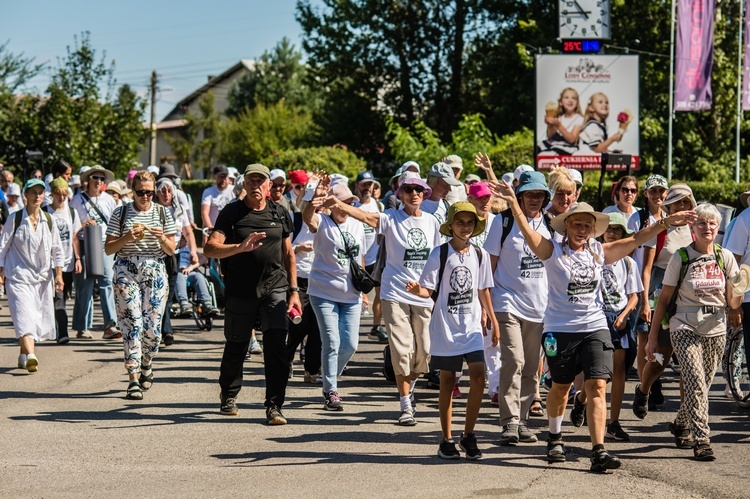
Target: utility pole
152,143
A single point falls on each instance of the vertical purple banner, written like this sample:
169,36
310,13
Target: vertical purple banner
694,55
746,62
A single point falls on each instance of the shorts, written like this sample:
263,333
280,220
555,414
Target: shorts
615,335
408,328
455,363
241,314
588,352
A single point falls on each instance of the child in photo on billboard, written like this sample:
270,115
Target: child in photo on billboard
594,133
564,121
462,309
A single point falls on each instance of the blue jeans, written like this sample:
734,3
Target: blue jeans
83,309
197,281
339,335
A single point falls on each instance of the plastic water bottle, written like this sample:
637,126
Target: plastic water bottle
657,292
365,309
550,345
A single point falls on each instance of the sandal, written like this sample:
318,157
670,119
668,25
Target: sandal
146,381
681,436
536,409
703,452
134,391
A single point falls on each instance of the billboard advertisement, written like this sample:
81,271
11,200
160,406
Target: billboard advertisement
586,105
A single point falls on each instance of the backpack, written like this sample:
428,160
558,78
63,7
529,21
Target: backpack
443,259
19,216
388,371
508,224
661,237
672,306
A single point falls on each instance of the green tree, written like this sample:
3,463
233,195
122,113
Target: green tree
206,127
122,131
330,159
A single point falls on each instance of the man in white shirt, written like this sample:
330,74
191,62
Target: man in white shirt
216,197
441,179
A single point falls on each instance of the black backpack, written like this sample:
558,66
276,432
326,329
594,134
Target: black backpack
388,371
508,224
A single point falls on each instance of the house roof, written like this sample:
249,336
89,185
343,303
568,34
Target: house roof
178,111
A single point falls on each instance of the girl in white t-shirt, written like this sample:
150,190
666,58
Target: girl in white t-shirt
563,124
574,323
461,275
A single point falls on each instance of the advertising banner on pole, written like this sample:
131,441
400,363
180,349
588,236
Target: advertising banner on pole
746,62
694,55
586,105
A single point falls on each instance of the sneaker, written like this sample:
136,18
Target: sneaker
208,310
509,436
111,332
255,347
228,406
135,392
84,335
247,356
602,460
578,412
640,403
681,436
333,402
186,309
32,363
495,400
457,392
274,416
313,378
615,431
447,450
62,340
525,435
656,396
378,334
468,444
22,361
407,418
555,451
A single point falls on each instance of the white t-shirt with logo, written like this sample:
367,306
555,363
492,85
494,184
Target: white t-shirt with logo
574,303
456,323
481,239
408,242
371,243
619,280
330,277
217,200
304,258
68,229
520,278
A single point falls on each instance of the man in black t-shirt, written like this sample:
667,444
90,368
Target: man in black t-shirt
252,237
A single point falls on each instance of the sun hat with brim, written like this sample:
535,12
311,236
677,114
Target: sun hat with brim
533,181
618,219
108,175
166,171
462,207
411,178
28,185
343,193
602,220
15,189
337,179
257,168
114,187
410,164
678,192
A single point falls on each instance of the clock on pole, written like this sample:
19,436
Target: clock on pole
584,19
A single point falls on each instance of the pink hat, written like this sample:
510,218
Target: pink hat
411,178
479,190
132,173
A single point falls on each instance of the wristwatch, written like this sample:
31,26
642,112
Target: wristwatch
294,290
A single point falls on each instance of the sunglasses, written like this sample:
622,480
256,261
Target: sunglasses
626,190
299,187
38,177
418,189
97,177
277,186
141,192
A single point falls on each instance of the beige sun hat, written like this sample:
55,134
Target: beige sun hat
108,175
678,192
602,220
461,207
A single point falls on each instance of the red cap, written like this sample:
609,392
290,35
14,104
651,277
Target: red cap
298,177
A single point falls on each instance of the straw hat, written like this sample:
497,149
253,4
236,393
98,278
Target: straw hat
602,220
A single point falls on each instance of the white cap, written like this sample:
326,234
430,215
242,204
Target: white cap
577,178
74,180
521,169
153,169
337,179
508,177
410,165
277,173
83,170
13,190
233,172
454,161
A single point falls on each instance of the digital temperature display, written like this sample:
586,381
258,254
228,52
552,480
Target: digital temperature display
581,46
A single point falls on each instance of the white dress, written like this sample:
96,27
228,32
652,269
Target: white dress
28,259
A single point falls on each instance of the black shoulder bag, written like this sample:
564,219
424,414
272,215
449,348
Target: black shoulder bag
361,280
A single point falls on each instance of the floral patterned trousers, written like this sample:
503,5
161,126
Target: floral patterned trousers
141,289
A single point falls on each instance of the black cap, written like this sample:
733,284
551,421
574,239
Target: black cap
218,170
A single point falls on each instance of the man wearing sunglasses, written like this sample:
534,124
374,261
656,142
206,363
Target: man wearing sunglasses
298,180
278,190
95,207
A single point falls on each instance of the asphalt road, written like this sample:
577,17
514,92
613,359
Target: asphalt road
68,431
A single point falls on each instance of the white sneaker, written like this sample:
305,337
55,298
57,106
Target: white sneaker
22,361
32,363
85,335
255,348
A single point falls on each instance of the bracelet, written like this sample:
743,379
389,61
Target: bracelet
294,290
664,224
516,214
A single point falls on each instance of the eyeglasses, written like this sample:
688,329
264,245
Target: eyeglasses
630,191
141,192
97,178
703,224
38,177
418,189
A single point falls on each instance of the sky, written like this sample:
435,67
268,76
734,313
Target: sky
184,41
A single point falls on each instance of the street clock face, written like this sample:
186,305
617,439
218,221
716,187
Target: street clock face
584,19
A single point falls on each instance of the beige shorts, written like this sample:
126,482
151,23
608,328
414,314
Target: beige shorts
408,336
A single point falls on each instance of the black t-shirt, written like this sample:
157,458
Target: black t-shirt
254,274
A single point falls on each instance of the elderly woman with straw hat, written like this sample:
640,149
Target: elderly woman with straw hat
575,327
